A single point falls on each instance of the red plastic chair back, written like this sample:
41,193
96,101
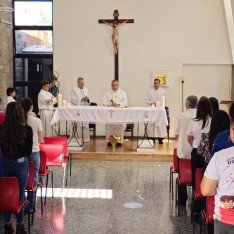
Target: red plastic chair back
54,154
198,179
58,140
209,209
2,117
175,161
185,172
42,169
9,194
30,182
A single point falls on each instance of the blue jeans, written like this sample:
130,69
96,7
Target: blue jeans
35,158
13,168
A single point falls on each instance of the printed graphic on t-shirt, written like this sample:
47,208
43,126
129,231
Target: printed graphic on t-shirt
226,210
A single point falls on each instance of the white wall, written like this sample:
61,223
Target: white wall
186,37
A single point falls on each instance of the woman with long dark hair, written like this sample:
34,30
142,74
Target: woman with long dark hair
36,125
16,145
197,126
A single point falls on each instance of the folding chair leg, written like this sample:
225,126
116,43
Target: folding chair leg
70,161
29,224
170,181
41,201
172,186
52,181
47,177
177,197
67,173
64,175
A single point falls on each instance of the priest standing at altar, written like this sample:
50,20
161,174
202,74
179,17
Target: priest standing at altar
115,97
80,96
46,103
153,98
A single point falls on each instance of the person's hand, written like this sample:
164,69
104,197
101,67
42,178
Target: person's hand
85,99
49,101
115,104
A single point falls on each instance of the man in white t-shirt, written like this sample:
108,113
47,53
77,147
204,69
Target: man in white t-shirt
184,149
218,181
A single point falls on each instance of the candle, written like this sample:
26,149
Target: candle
59,99
64,102
158,104
68,104
162,101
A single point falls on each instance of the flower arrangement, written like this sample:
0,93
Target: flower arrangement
113,139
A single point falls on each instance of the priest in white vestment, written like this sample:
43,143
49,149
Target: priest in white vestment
80,96
156,130
115,97
46,103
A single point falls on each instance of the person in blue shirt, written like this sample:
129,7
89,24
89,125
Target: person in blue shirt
222,140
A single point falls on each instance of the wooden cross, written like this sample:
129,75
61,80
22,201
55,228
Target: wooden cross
115,23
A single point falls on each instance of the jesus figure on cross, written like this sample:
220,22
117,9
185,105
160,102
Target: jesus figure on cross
115,35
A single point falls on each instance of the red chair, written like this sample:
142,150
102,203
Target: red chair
2,117
173,169
207,215
44,172
61,140
197,195
54,156
32,187
9,197
184,178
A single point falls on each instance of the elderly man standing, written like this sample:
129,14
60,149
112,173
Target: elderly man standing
153,96
184,149
80,96
46,103
115,97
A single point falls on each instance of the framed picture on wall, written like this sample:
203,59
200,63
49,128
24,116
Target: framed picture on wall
163,76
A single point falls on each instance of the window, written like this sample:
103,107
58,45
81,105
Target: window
33,46
33,13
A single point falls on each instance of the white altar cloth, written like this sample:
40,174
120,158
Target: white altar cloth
103,114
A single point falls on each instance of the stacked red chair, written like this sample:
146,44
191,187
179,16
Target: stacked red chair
31,186
184,178
63,141
44,171
197,195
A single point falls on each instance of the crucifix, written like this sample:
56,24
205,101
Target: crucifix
115,23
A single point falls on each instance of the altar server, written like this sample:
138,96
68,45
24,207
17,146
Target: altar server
46,103
80,96
153,97
115,97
